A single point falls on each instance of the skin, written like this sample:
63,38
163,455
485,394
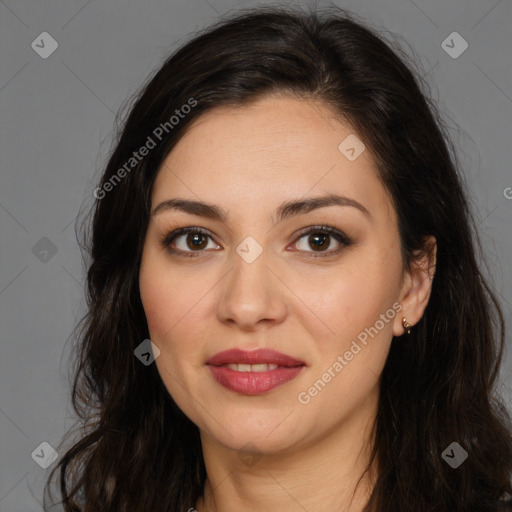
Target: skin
248,160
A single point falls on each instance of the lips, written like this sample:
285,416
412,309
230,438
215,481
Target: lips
255,372
254,357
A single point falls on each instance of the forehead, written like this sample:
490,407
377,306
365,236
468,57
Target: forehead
267,152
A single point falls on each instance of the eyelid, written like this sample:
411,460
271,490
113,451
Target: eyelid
325,228
337,234
168,237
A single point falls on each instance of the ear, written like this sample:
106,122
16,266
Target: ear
417,286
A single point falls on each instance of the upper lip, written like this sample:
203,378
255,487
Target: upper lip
259,356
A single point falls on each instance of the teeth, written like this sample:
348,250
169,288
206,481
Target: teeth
251,367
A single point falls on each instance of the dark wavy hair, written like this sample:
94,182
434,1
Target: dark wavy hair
136,450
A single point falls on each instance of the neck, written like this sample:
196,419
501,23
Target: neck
322,474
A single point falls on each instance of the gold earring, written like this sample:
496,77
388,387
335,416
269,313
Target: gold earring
406,325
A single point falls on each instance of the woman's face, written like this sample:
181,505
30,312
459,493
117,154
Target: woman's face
258,280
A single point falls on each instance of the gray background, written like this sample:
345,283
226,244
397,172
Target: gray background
57,118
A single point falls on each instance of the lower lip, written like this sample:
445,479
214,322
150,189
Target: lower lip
253,383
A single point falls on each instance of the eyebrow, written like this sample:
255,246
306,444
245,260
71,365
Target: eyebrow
285,210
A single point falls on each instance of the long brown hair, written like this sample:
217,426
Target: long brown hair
136,450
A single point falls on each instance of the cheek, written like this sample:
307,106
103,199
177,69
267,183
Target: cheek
158,302
175,305
351,306
164,298
352,302
349,362
172,316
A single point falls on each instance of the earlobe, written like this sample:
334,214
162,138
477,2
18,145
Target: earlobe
418,288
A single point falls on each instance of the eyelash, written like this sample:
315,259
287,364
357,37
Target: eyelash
339,236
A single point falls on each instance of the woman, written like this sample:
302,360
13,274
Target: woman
285,308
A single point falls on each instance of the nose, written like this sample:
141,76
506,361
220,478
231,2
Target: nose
252,295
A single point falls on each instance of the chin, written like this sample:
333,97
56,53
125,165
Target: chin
245,436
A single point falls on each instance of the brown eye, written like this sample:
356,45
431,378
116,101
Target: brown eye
187,241
319,241
319,238
196,240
